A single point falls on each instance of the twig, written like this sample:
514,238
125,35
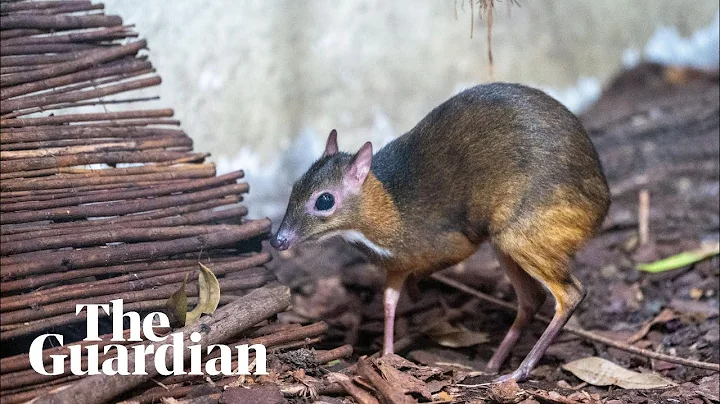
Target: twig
47,133
59,21
644,216
92,35
145,156
489,6
97,116
122,207
197,213
333,354
591,336
45,279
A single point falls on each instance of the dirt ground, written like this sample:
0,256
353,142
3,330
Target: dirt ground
655,128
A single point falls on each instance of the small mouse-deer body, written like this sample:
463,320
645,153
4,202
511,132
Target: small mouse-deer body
502,163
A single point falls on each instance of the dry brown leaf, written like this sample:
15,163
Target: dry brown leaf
177,303
209,295
663,317
553,397
601,372
404,382
450,336
419,371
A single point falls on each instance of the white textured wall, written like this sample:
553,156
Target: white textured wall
257,74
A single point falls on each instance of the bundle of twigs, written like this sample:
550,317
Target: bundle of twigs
97,205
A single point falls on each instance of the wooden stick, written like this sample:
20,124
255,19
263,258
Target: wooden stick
57,22
49,144
70,8
22,361
44,59
94,102
196,213
136,122
91,289
39,5
43,99
130,145
155,265
28,264
84,36
644,216
144,169
73,66
79,85
591,336
333,354
14,233
62,181
9,34
35,124
67,319
229,320
247,266
123,235
26,393
21,50
19,319
46,133
110,69
18,69
121,207
26,376
57,193
94,158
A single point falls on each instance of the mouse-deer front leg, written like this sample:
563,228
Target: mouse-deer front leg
393,286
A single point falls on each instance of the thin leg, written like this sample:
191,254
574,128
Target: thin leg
567,297
393,287
530,296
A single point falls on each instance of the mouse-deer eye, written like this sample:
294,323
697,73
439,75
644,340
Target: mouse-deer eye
325,201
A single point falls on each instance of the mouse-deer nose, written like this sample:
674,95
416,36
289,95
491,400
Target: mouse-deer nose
278,242
282,240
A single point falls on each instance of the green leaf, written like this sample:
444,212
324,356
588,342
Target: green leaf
209,295
681,260
177,304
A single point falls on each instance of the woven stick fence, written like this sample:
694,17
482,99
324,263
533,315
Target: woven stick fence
97,206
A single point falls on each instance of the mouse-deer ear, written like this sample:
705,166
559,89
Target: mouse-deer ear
331,146
360,166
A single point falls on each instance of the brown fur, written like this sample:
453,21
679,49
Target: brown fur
378,217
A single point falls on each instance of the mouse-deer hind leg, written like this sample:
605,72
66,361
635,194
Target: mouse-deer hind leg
567,297
542,245
530,297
